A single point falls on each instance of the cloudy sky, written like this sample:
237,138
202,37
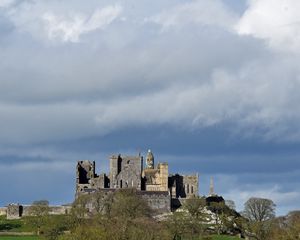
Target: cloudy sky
211,86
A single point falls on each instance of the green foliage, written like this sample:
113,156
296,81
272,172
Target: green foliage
19,238
55,226
191,222
126,216
8,225
260,213
15,225
39,211
127,204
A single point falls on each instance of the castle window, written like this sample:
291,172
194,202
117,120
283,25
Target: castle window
192,189
121,183
188,189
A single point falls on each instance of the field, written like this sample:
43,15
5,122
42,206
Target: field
18,225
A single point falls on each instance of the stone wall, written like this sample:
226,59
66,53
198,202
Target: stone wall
14,211
158,201
3,211
156,179
183,186
126,172
190,185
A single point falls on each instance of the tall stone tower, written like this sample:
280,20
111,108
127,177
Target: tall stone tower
211,188
149,160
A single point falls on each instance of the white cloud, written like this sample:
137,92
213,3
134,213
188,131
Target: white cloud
58,27
281,198
6,3
212,12
55,21
277,21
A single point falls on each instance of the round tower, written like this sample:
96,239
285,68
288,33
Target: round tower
150,160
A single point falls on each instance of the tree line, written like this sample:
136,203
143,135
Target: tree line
124,215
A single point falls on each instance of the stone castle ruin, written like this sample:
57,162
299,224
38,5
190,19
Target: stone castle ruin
17,211
163,191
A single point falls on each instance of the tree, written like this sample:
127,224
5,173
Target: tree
221,214
260,212
128,204
191,220
102,202
128,217
230,204
259,209
79,210
55,226
39,211
287,227
195,206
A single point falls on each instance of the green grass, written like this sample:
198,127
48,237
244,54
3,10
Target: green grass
19,238
16,225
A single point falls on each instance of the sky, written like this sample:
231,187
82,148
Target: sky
210,86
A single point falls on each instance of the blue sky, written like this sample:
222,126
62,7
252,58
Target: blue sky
210,86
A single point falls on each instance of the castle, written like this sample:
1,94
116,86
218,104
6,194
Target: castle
163,191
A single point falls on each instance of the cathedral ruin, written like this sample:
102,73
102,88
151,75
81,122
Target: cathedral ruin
163,191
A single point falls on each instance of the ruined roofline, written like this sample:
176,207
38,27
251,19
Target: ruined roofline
184,175
137,157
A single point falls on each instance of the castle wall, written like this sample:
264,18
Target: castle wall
3,211
190,184
14,211
85,171
126,172
160,189
100,182
159,201
156,179
183,186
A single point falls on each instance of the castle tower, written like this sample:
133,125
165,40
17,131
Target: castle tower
149,160
211,187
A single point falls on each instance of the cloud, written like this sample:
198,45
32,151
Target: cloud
280,197
276,21
77,81
48,21
211,13
70,30
6,3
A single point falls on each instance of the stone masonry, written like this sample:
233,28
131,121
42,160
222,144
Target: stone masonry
163,191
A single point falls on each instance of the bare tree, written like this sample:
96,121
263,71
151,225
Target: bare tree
260,212
259,209
230,204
